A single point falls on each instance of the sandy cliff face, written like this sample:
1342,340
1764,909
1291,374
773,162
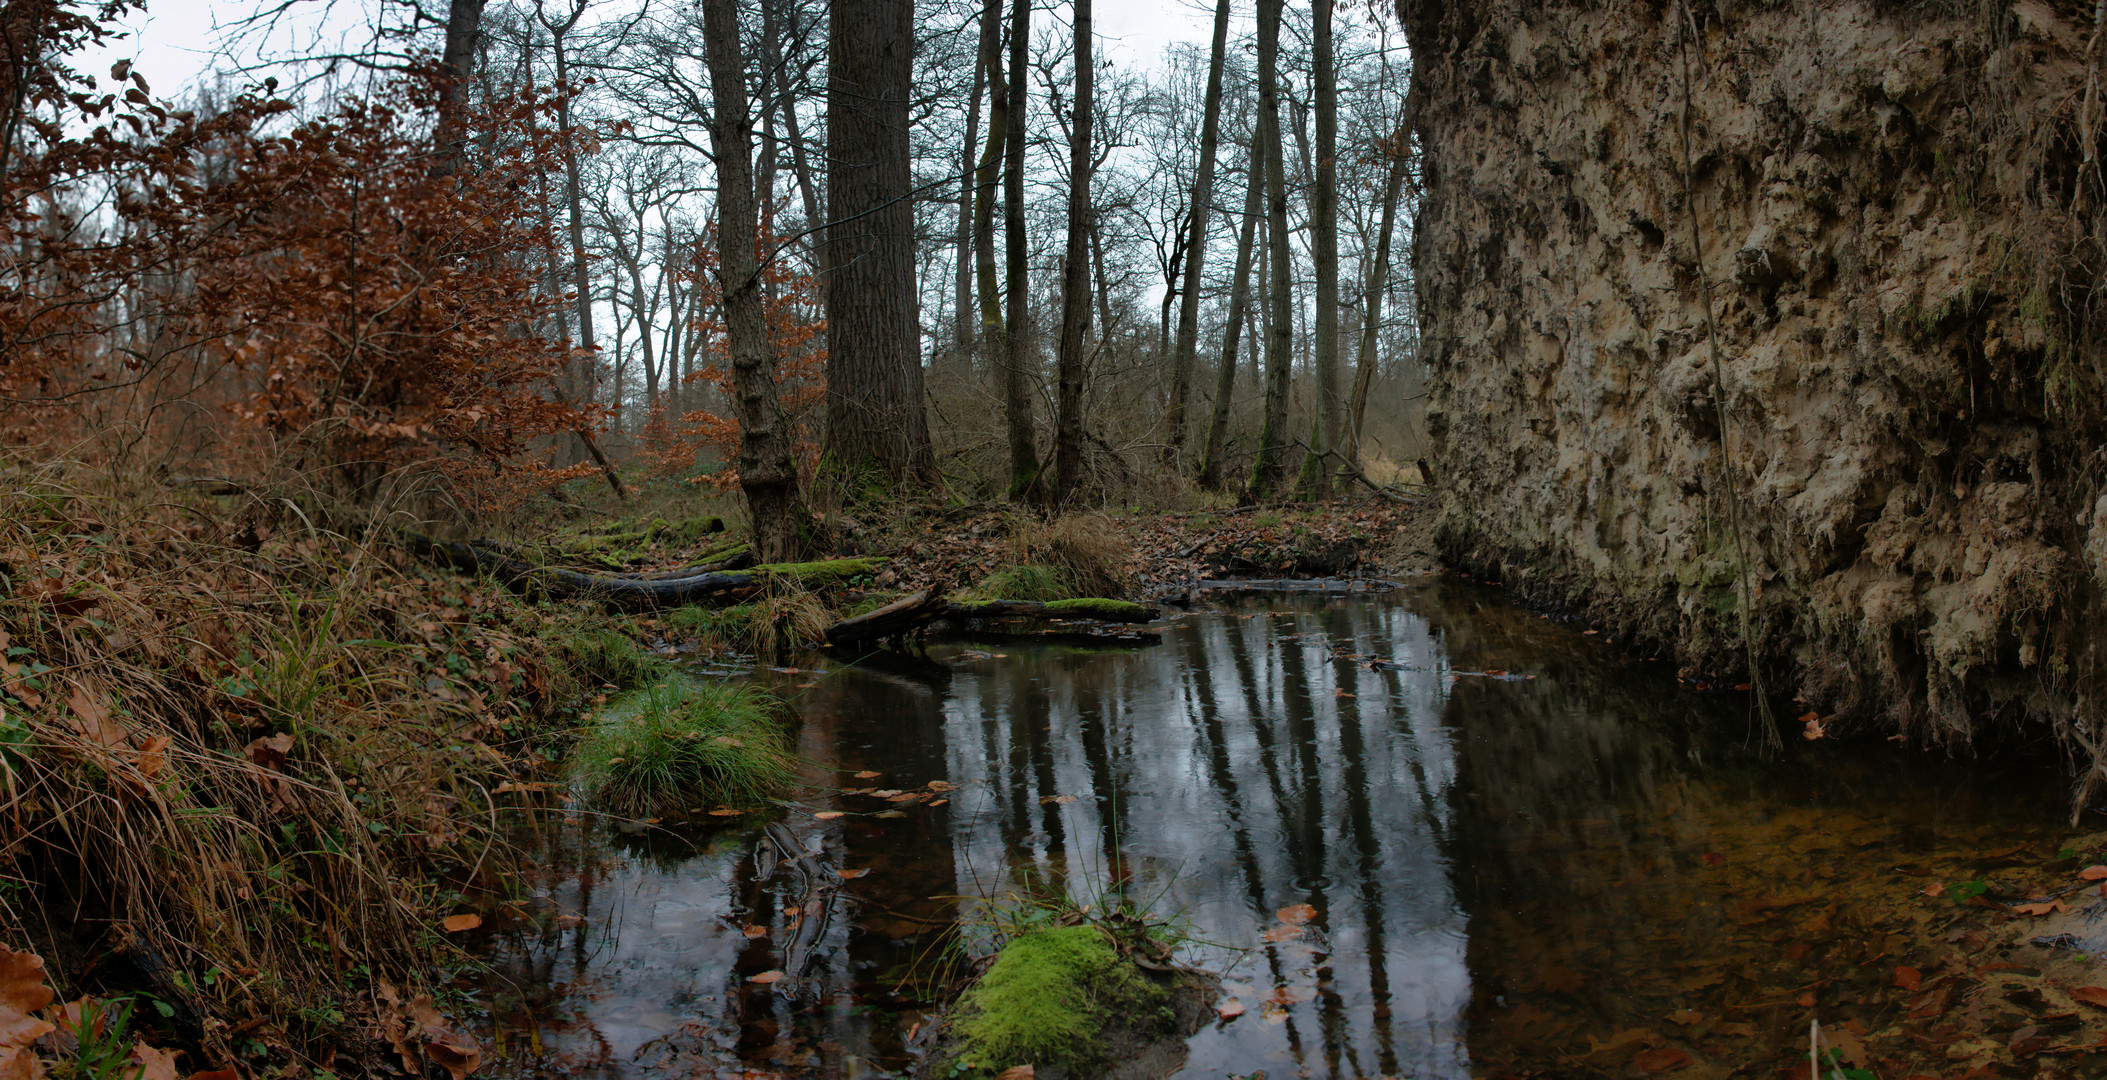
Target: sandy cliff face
1899,224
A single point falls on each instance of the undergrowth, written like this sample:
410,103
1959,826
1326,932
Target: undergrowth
249,777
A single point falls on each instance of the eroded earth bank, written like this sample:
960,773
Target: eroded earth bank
1887,436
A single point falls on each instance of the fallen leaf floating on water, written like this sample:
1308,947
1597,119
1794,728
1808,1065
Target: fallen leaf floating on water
2092,873
828,815
869,774
942,785
1015,1072
752,932
1296,914
1280,933
726,811
1063,800
1229,1010
2091,995
890,814
1658,1060
856,873
766,978
1908,978
467,921
1289,995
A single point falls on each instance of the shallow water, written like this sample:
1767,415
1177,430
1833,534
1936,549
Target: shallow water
1527,855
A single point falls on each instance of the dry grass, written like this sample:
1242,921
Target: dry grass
254,775
1088,552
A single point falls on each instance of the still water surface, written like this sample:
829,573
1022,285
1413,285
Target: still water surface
1521,845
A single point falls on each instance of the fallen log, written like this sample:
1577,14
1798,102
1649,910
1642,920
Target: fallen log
898,617
630,594
928,606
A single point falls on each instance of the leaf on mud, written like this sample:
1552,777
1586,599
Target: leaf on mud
766,978
1908,978
1015,1072
153,1064
1935,889
828,815
1562,980
216,1074
1283,932
2092,873
1686,1017
1296,914
1658,1060
869,774
20,1029
2042,908
466,921
1062,800
1229,1010
856,873
22,986
2091,995
94,718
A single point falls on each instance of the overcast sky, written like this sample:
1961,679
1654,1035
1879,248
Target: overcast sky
174,41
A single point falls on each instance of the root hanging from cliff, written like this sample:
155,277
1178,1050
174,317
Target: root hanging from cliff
1771,739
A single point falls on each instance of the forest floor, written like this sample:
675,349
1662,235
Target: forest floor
256,770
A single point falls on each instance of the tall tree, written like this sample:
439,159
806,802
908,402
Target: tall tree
963,313
1018,362
1268,468
986,177
464,32
767,472
582,370
1374,287
1188,342
876,419
1075,284
1315,481
1210,476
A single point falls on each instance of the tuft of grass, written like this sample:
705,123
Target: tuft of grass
681,744
787,617
1073,556
1031,581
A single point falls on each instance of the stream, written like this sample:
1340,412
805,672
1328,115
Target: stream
1528,854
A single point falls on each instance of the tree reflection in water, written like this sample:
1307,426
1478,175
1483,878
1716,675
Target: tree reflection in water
1504,867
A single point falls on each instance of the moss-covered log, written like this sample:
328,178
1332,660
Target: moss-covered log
632,594
929,606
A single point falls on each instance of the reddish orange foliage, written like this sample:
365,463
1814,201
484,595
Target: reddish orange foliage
349,304
798,334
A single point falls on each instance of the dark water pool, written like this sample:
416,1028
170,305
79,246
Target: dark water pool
1527,856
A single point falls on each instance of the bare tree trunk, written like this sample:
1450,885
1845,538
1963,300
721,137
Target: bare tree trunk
766,471
1315,481
876,421
579,370
1188,343
1269,466
962,270
464,31
1239,288
1075,286
1016,387
1372,311
799,166
987,176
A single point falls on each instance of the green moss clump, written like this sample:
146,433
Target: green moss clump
814,575
1091,607
682,744
1048,1000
